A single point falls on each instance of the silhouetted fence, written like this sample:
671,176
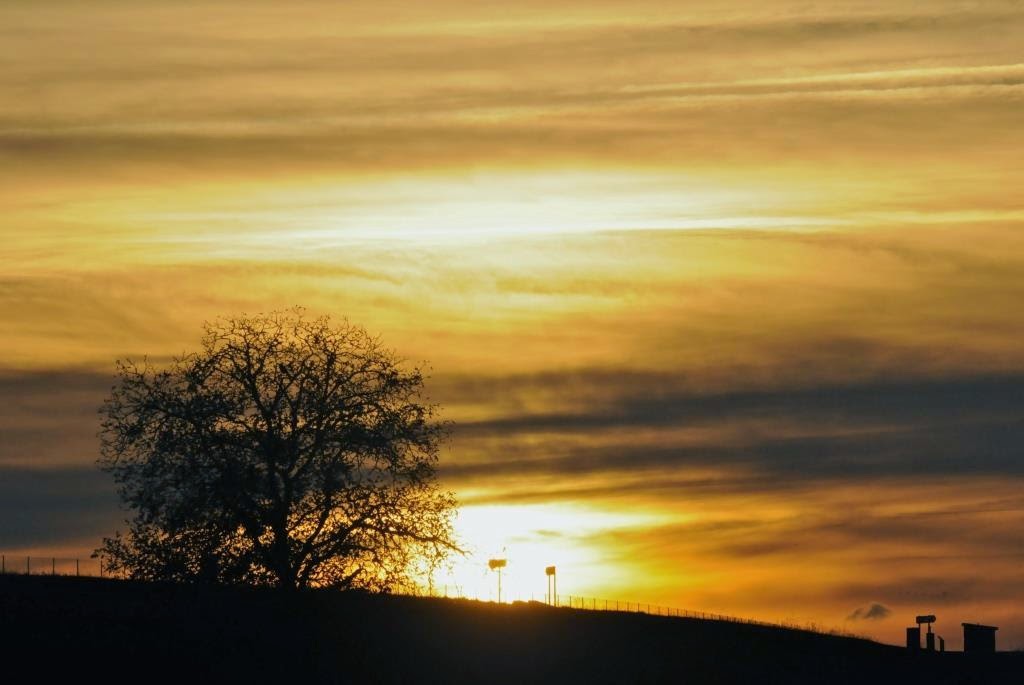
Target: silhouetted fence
599,604
57,566
54,566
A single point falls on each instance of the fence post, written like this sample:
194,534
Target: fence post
76,568
53,566
3,563
28,566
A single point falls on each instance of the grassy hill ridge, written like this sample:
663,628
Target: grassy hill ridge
152,632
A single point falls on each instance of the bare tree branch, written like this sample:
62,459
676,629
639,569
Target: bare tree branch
287,451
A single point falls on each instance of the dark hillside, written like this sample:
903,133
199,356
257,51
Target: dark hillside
117,631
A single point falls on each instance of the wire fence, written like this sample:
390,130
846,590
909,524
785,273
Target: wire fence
584,603
599,604
95,568
54,566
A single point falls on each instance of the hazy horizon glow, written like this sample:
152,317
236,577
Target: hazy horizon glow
723,298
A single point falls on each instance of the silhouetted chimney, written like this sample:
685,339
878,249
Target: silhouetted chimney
914,638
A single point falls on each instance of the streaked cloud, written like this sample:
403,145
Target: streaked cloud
720,296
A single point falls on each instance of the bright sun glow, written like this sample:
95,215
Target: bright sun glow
443,208
532,537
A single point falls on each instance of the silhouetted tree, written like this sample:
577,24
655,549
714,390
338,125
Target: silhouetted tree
289,451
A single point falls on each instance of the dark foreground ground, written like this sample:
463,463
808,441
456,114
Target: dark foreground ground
92,630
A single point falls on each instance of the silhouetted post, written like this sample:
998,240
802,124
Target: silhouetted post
53,566
76,568
28,566
3,563
552,585
498,564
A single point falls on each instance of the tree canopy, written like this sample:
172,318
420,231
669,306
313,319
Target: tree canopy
288,451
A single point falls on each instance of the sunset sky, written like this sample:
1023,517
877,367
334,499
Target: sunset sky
724,298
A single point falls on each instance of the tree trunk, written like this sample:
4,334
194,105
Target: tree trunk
281,563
